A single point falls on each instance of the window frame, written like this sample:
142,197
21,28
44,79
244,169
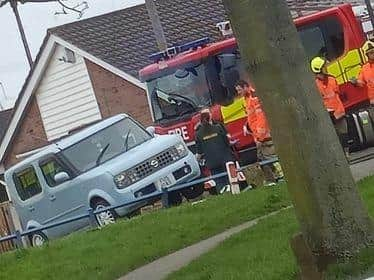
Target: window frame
15,177
323,26
54,157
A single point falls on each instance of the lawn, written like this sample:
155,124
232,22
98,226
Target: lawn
263,252
120,248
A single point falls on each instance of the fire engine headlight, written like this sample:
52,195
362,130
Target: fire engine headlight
181,149
125,179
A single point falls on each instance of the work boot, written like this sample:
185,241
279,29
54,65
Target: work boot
269,184
226,188
278,170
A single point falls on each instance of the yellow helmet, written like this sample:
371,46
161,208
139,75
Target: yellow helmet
368,46
317,64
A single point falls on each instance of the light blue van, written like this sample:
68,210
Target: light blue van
109,163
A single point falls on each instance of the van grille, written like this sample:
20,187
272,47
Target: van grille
156,163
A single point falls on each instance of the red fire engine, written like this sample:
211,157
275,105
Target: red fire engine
200,74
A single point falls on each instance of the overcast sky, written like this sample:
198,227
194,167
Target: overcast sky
36,18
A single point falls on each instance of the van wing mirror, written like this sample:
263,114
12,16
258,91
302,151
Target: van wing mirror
151,130
61,177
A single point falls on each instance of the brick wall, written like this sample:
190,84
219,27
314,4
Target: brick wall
29,136
116,95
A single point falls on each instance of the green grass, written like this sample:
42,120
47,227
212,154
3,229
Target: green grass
360,267
118,249
263,252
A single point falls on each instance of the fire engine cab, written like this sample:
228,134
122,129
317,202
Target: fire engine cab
188,77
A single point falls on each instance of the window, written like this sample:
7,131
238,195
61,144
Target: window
27,183
3,193
49,169
106,144
231,69
323,38
182,92
70,56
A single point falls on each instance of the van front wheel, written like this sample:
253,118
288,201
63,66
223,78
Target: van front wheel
104,218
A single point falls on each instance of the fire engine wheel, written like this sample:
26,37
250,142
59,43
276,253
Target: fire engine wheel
104,218
38,239
193,192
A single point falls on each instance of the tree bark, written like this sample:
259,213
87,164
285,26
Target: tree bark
333,219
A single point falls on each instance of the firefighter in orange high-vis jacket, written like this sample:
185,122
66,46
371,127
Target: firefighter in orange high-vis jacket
258,127
329,90
366,75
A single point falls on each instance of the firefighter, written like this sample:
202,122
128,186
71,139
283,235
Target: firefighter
213,145
366,75
258,127
329,90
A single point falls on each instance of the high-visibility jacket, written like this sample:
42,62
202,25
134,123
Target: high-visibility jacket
256,118
234,111
367,76
329,91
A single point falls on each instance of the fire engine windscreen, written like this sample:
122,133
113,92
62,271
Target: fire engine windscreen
182,92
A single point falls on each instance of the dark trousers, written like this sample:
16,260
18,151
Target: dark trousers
221,181
341,129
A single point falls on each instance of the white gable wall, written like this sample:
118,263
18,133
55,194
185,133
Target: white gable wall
65,96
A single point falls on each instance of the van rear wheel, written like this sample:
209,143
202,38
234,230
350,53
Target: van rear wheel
38,239
104,218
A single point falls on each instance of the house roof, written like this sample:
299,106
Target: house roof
125,38
4,121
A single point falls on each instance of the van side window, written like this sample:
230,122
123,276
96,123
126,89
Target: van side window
27,183
49,169
324,38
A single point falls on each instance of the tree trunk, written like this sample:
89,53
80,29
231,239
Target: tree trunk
333,220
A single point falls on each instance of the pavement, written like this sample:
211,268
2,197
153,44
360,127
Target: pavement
365,167
362,169
161,268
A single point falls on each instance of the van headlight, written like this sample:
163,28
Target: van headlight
181,150
126,178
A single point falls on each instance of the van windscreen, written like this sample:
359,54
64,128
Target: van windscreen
106,144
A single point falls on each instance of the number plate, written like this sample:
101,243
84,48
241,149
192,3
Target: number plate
165,182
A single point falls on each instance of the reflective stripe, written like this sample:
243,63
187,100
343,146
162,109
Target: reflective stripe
334,70
331,95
